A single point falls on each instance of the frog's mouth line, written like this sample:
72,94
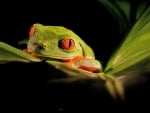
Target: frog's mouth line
46,57
49,57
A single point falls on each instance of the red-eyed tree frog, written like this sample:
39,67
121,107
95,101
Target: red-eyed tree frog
61,44
54,43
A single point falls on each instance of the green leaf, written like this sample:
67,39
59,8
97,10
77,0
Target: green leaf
9,53
23,42
134,49
125,12
141,7
120,10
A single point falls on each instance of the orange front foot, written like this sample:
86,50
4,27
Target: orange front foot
31,53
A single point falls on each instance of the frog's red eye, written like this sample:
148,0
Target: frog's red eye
32,30
67,44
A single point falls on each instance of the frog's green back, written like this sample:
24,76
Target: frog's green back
63,31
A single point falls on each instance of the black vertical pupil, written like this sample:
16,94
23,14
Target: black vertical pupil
70,42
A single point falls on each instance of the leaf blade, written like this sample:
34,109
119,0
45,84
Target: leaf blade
135,47
9,53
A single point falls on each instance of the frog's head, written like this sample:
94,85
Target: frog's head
54,42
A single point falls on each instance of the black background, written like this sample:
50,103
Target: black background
23,85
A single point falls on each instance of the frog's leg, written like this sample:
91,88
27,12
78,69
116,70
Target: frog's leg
31,53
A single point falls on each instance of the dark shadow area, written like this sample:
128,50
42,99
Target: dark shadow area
25,86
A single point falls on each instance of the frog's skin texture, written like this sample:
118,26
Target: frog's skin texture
60,43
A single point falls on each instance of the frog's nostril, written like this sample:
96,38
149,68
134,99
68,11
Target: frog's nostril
45,45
